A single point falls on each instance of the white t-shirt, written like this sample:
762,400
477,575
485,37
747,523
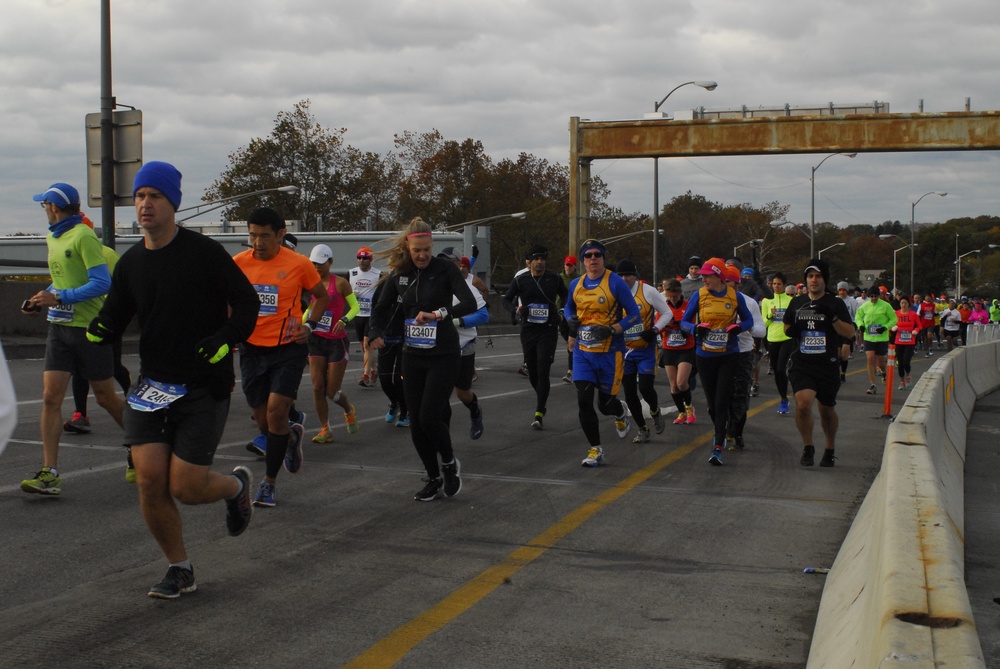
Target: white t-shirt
363,284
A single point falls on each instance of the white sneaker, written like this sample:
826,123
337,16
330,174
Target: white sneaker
622,426
595,457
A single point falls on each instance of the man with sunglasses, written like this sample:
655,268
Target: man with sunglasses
540,291
363,280
600,308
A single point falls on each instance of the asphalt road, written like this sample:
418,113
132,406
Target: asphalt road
655,560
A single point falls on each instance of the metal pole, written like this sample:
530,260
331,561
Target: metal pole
107,131
812,215
913,241
656,213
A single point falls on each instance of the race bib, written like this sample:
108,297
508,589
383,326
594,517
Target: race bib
872,329
812,342
676,338
420,336
904,336
326,323
365,304
634,333
268,296
61,313
150,395
538,314
715,340
587,340
779,314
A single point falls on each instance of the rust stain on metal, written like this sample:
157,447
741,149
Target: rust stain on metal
955,131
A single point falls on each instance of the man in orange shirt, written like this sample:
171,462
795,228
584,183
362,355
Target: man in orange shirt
273,358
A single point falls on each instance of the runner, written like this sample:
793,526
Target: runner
177,408
640,355
363,280
328,345
743,383
567,276
875,318
847,346
467,335
779,345
677,356
274,356
816,321
80,279
906,333
594,311
422,290
715,315
540,291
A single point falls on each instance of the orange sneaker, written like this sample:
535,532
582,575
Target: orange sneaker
324,436
689,410
351,417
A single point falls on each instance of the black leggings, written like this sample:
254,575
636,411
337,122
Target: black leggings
609,405
390,375
777,353
539,345
633,388
717,376
428,381
904,355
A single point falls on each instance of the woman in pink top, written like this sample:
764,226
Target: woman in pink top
904,334
979,314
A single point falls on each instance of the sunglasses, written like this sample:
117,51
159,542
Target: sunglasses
593,254
364,257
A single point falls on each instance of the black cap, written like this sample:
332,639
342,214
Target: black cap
536,250
626,266
694,260
449,253
819,265
873,291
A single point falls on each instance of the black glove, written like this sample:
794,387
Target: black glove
879,329
648,335
701,331
475,251
99,333
573,325
733,331
514,316
213,349
601,332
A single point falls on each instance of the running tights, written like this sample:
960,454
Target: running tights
428,382
717,376
609,405
633,388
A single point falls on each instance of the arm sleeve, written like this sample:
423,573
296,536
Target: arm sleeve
98,283
659,304
355,308
480,317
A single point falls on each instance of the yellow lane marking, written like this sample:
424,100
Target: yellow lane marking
394,647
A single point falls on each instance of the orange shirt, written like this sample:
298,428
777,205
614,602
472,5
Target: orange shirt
279,283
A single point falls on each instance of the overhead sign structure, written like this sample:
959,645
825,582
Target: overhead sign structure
127,127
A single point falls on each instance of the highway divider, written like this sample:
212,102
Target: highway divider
895,595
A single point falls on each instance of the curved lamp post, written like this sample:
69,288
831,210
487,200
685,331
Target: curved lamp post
206,207
913,231
958,264
812,215
832,246
894,252
708,86
479,221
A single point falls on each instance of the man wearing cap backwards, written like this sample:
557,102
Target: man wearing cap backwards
177,408
599,309
639,371
716,315
539,291
273,357
816,321
363,279
80,277
875,318
328,345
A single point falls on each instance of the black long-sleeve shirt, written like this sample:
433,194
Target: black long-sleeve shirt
429,289
182,293
546,292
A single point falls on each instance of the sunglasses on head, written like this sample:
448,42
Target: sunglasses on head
593,254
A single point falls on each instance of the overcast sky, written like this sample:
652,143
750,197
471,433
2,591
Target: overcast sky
210,76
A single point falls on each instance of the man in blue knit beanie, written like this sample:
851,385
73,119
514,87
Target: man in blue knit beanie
164,177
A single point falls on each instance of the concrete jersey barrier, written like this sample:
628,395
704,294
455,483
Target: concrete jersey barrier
895,595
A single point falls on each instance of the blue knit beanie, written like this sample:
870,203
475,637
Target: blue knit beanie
164,177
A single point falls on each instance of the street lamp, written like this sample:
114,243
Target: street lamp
913,231
708,86
812,216
618,238
752,241
958,264
206,207
894,252
778,224
479,221
831,246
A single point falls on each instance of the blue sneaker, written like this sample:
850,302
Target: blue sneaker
265,495
301,419
293,456
259,445
716,457
783,407
390,415
404,421
476,429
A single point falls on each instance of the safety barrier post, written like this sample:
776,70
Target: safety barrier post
890,366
